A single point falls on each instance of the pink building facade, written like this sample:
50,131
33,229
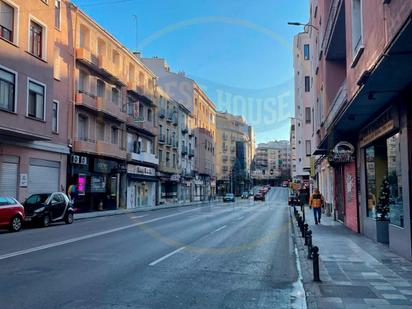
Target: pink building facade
363,82
35,66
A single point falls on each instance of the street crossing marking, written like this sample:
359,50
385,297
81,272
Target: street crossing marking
219,229
76,239
166,256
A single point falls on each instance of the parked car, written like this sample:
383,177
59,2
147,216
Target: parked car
48,207
251,193
229,197
245,195
259,196
11,214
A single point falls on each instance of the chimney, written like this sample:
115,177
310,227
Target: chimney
138,55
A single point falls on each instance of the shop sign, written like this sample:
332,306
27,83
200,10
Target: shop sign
381,126
342,153
97,184
140,170
213,183
198,182
104,166
175,178
76,159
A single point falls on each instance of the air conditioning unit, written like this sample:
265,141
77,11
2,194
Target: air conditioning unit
75,159
83,160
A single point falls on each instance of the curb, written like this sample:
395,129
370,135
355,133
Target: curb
311,288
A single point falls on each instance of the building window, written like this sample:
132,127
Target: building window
115,96
357,38
306,51
307,115
36,39
307,83
167,158
36,100
308,148
115,135
7,90
100,130
100,88
82,127
6,21
160,156
149,114
174,160
141,111
55,117
57,16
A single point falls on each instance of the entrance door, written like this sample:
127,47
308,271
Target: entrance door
139,195
340,193
131,195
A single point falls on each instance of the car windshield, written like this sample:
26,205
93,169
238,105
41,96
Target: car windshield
37,198
7,201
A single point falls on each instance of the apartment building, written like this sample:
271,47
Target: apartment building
304,125
113,159
272,162
168,152
35,96
186,150
293,156
361,67
234,147
185,91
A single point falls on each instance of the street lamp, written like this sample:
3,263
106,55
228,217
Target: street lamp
294,23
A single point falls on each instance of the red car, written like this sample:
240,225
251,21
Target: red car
11,214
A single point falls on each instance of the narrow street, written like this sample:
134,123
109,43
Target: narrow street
233,255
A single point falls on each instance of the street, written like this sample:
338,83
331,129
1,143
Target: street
232,255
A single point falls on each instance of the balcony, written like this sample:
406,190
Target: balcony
184,150
333,42
105,106
84,55
191,133
168,141
85,146
162,139
110,150
162,113
175,144
144,157
142,125
112,70
191,153
185,130
337,104
169,117
87,100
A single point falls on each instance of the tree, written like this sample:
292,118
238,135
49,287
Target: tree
382,207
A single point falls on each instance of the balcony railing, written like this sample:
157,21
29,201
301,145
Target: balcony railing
191,152
106,106
142,124
110,150
86,100
338,102
184,150
85,146
162,139
185,130
162,113
143,157
168,141
175,144
83,55
109,67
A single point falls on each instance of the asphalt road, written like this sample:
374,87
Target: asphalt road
233,255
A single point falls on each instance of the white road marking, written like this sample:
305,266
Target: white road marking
219,229
166,256
240,218
138,217
76,239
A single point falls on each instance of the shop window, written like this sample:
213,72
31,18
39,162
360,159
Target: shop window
383,172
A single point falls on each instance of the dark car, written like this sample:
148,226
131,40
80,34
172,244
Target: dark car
259,196
11,214
293,200
245,195
48,207
229,197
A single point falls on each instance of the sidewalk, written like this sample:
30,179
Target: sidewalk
105,213
355,271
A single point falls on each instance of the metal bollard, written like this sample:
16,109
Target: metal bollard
315,257
304,230
309,237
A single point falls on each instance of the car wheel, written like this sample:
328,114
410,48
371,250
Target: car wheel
16,224
46,221
69,218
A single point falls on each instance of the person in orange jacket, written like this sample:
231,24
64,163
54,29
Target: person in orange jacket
316,202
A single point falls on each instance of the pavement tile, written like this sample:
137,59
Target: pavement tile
385,288
400,302
376,301
406,292
394,296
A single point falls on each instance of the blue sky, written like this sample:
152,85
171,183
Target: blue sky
239,51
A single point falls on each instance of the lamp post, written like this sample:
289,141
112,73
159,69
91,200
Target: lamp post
294,23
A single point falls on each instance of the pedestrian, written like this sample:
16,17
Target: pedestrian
316,202
72,193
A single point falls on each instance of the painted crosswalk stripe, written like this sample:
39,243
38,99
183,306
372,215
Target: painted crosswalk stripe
166,256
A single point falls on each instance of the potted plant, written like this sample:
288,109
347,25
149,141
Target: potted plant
382,213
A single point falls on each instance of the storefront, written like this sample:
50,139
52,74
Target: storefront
198,188
342,159
98,182
141,186
384,151
168,188
185,190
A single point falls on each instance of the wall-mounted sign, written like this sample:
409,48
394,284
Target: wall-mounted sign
23,180
342,153
140,170
384,124
76,159
175,178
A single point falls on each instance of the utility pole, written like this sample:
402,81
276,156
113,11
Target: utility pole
137,31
